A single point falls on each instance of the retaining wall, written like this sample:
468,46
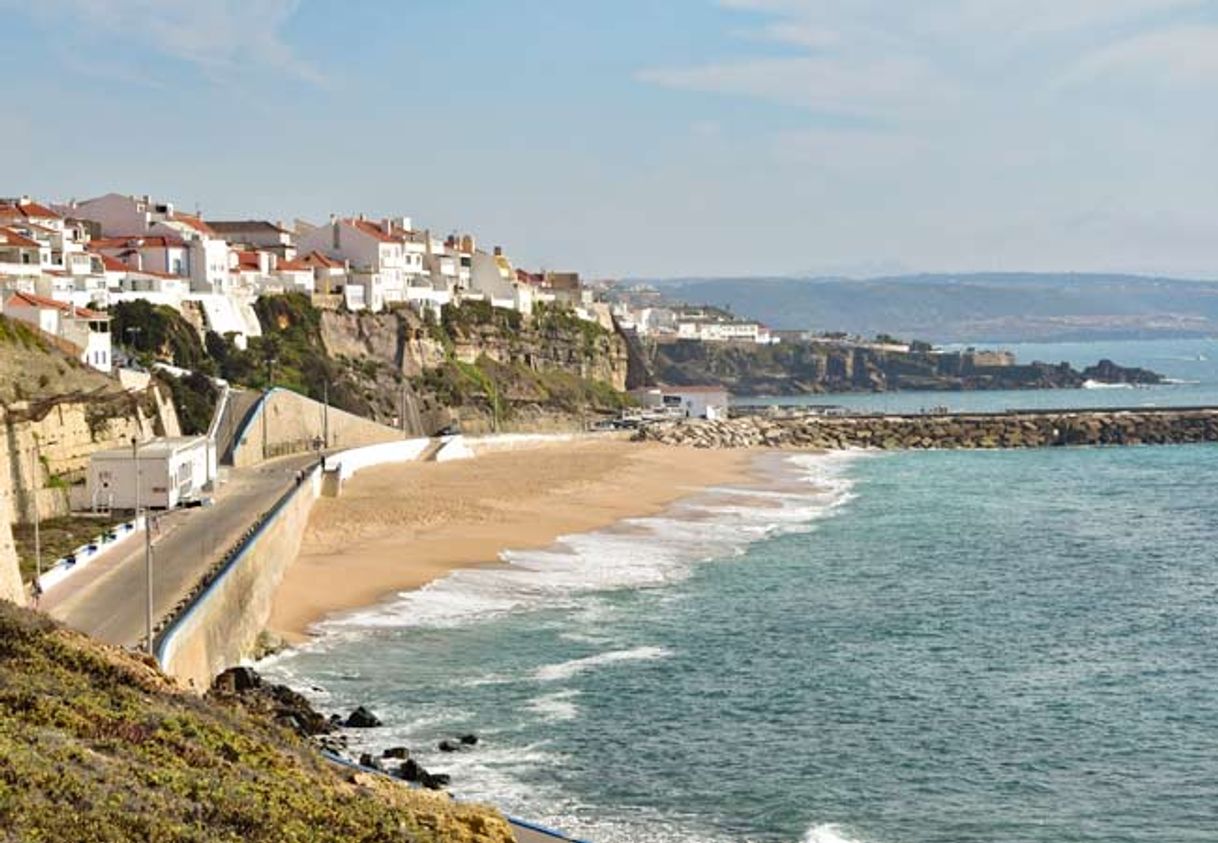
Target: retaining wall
222,625
294,423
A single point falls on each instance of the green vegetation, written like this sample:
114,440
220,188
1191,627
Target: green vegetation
17,333
58,537
194,397
97,746
158,332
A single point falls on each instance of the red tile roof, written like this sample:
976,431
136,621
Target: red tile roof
194,222
26,211
43,303
12,238
372,230
316,260
112,264
247,261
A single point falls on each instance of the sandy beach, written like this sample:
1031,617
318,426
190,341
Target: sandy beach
399,527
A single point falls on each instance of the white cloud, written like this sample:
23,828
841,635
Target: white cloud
219,36
1179,56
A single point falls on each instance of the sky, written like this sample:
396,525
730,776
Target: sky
645,139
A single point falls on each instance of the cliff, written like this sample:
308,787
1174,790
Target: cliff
819,367
96,745
54,413
485,367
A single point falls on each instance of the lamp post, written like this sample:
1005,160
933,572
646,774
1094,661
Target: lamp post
135,459
266,401
37,519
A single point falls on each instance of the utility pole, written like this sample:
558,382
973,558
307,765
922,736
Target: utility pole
266,402
135,459
37,519
325,413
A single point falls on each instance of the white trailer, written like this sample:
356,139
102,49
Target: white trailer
171,471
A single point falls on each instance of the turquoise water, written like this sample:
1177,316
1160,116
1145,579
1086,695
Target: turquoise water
925,646
1192,365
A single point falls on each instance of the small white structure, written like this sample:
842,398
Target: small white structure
171,471
694,402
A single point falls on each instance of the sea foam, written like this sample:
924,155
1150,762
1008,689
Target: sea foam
639,553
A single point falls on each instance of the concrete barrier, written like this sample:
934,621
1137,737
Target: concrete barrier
294,424
222,624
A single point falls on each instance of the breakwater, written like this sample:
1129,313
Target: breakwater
1027,429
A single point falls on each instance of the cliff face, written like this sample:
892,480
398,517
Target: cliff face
805,368
482,366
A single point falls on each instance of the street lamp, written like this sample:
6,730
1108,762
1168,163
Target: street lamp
135,459
266,396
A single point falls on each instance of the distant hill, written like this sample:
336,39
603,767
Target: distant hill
997,307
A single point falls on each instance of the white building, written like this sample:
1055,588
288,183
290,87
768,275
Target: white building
717,331
694,402
257,234
205,259
76,330
171,471
21,256
385,258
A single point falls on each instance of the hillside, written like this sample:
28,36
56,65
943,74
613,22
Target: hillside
95,746
970,308
31,368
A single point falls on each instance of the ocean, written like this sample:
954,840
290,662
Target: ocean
922,646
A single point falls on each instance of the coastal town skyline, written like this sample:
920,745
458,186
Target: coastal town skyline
1051,136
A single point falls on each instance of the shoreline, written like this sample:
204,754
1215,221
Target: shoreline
400,527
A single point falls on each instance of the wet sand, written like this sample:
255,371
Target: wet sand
399,527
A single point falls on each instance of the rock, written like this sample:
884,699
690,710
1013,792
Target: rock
400,752
237,680
469,740
371,761
449,746
436,781
362,718
410,771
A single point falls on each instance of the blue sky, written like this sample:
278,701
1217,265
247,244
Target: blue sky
689,137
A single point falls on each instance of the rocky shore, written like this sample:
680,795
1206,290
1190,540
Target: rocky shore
964,431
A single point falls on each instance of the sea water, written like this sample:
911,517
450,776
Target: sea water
925,646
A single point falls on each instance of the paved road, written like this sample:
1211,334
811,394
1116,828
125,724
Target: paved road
107,599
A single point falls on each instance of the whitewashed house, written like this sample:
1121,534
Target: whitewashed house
204,258
83,332
21,256
375,253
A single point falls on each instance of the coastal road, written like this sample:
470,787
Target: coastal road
107,599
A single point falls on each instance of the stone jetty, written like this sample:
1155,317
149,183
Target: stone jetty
949,431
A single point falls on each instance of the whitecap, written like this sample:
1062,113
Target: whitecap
574,667
555,707
829,833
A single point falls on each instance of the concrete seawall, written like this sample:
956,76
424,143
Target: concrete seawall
221,626
1167,426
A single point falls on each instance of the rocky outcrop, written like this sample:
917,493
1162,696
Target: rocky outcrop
796,368
481,366
1010,430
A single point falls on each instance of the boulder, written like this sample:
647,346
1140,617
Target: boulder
237,680
362,718
399,752
468,740
449,746
371,761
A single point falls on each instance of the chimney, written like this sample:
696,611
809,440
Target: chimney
498,251
360,217
387,225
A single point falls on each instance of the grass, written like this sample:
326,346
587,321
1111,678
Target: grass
58,536
96,746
